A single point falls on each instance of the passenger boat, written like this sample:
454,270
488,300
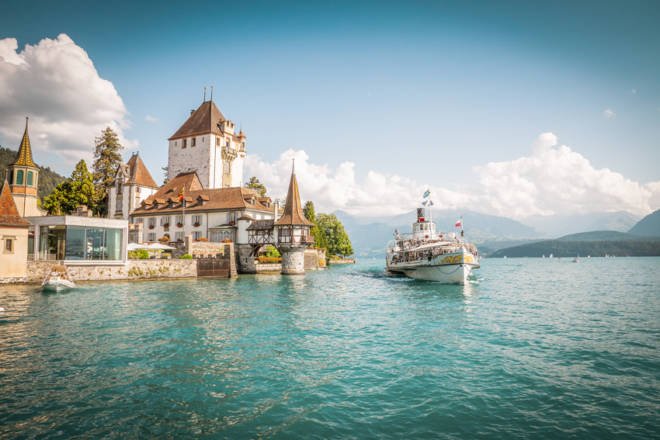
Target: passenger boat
57,280
428,255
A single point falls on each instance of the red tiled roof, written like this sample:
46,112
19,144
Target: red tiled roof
9,215
204,120
139,174
188,185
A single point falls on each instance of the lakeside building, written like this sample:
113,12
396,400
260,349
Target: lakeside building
76,240
14,238
184,207
23,178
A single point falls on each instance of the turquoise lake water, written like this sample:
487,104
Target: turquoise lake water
530,348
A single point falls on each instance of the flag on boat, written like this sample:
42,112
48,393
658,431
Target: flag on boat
459,223
427,193
430,202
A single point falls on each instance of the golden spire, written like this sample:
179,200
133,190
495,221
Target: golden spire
24,157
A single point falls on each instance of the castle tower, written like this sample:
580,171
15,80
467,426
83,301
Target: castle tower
293,231
207,144
23,179
133,184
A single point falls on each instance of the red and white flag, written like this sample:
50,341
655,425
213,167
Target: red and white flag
459,223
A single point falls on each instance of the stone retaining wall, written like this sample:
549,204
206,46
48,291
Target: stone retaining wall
133,269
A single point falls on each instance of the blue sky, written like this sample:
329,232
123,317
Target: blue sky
426,90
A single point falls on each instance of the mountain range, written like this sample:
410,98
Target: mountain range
494,233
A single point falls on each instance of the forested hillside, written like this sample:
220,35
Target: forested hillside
48,179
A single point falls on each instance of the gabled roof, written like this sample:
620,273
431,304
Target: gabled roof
138,173
204,120
24,157
293,213
199,199
9,215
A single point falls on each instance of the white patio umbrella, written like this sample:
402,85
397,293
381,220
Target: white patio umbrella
159,247
136,246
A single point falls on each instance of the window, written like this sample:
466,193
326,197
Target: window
152,222
185,143
138,220
180,220
217,141
165,220
193,142
19,177
197,235
9,245
178,236
151,236
30,178
196,220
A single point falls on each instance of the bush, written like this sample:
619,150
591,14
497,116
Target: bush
271,251
185,257
138,254
269,260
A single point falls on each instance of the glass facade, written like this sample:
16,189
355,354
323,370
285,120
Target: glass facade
79,243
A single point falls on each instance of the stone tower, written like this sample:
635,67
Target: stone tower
207,144
23,176
292,231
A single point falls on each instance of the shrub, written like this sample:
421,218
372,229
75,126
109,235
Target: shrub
185,257
138,254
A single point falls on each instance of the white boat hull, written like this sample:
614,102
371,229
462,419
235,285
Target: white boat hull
449,269
57,285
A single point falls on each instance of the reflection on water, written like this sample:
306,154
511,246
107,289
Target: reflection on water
526,348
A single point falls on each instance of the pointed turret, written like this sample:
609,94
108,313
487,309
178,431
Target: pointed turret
293,231
293,212
9,215
24,157
24,178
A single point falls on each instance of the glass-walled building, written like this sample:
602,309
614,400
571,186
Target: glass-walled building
82,239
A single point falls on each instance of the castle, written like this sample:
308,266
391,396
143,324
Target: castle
204,197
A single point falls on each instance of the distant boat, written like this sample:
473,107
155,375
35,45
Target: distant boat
57,280
576,259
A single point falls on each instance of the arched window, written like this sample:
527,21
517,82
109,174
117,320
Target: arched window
19,177
30,178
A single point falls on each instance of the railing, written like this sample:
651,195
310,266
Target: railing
288,239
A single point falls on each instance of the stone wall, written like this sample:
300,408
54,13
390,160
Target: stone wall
293,260
314,259
269,268
133,269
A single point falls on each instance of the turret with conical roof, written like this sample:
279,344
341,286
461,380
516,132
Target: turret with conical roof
24,178
293,212
293,231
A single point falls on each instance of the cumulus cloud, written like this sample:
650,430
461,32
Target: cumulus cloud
609,113
151,119
55,83
552,179
340,188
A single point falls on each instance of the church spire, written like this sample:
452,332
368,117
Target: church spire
24,157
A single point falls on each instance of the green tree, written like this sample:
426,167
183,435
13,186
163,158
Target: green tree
107,159
255,184
320,240
165,178
72,192
338,242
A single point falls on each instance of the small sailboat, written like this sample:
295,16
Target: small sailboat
57,280
576,259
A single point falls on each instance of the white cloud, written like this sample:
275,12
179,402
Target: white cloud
609,113
151,119
552,179
56,84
